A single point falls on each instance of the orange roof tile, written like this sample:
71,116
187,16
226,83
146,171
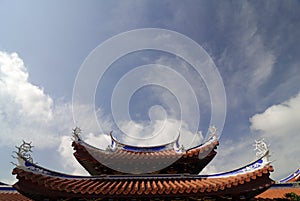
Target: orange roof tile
10,194
144,185
278,191
95,160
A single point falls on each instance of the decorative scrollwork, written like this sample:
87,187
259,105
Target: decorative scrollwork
213,132
76,133
23,152
261,148
176,145
113,145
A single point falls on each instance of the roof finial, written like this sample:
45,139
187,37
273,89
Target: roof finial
113,144
177,146
23,153
213,132
76,133
262,148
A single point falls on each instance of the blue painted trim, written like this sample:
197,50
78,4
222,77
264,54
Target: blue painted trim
36,168
7,188
144,149
252,166
291,176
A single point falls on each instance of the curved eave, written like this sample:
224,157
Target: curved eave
294,177
211,144
32,167
40,185
193,152
192,161
36,169
191,158
207,146
255,165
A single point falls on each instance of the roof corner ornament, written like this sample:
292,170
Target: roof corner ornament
261,148
213,134
113,146
177,147
23,153
76,133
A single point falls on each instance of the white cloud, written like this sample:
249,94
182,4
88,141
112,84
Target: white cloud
30,99
25,110
279,125
68,161
28,113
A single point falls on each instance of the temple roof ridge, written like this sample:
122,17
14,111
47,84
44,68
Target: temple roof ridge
172,145
293,177
114,139
259,163
37,169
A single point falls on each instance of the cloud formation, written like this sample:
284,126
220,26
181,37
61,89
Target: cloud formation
279,125
25,109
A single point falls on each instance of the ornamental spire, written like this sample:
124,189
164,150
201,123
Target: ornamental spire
23,153
213,132
76,133
261,148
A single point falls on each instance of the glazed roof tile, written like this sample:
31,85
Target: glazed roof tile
279,191
144,185
96,161
8,193
15,196
123,153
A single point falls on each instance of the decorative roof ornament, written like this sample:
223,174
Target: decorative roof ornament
177,147
262,148
76,133
113,145
213,134
23,153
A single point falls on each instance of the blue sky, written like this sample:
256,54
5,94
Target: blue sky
254,45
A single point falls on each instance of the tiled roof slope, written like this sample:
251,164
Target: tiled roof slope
279,191
13,196
8,193
192,161
37,183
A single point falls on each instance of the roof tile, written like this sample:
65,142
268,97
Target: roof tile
143,185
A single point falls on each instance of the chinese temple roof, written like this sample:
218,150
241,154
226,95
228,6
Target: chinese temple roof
37,182
119,158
